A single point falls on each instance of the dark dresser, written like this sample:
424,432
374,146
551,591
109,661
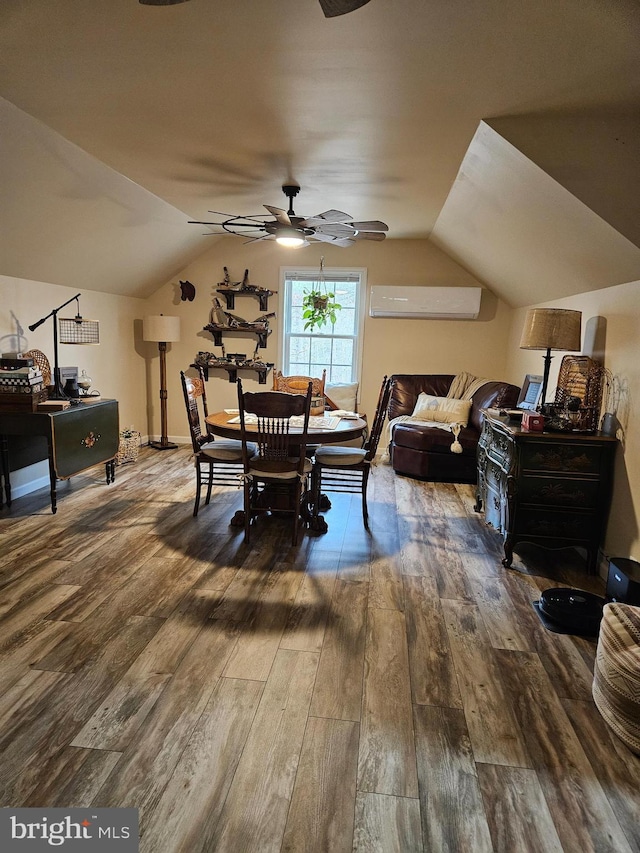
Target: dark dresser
72,440
551,489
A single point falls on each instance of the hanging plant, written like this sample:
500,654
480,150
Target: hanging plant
318,305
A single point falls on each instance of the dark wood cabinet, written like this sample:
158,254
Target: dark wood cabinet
550,489
75,439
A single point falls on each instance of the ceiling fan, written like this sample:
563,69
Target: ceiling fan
331,8
288,229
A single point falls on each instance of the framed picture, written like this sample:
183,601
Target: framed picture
530,393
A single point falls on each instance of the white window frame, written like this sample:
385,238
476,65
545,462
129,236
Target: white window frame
285,318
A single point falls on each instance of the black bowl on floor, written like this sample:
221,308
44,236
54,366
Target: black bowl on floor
573,609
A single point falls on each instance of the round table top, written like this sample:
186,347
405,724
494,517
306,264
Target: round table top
344,431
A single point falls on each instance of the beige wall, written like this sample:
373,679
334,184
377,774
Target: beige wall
115,367
390,345
610,325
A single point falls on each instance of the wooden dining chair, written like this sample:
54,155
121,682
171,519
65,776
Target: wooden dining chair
218,462
298,384
346,469
275,475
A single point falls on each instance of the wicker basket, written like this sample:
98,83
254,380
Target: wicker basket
129,447
581,376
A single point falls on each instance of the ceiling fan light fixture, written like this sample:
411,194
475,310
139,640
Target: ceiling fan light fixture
289,237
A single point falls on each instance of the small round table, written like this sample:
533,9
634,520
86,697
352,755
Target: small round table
346,430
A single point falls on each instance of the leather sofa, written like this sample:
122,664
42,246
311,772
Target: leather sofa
425,452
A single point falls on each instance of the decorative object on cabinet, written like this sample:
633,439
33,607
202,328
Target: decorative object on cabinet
187,291
76,330
551,329
529,397
578,395
84,383
22,385
287,229
40,360
162,330
548,489
231,289
612,393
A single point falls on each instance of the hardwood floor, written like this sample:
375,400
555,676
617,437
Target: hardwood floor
391,691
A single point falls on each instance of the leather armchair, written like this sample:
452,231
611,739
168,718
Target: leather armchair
425,452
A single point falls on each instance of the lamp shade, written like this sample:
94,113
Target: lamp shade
552,329
159,328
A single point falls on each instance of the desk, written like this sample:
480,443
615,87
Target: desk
77,438
346,430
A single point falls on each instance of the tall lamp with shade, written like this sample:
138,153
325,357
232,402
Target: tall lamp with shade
162,330
551,329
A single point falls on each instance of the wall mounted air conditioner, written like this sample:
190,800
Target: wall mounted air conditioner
436,303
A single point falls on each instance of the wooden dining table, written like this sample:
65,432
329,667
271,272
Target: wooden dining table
322,430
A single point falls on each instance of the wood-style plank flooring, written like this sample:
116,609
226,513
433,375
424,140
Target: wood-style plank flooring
382,692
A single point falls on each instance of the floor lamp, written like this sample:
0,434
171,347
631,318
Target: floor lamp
551,329
162,330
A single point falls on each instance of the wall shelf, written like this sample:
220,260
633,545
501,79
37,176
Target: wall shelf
243,328
230,296
232,369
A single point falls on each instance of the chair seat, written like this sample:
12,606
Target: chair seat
278,475
334,455
225,449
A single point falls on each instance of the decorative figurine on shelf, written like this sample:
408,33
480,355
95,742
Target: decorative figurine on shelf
263,319
220,317
243,286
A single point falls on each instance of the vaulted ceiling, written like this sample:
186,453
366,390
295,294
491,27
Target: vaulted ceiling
485,126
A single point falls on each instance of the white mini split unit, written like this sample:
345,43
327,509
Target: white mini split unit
434,303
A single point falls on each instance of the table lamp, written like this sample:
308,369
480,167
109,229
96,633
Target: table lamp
551,329
162,330
73,330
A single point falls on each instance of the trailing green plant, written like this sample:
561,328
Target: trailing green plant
319,308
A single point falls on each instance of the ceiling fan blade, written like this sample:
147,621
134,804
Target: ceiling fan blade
323,238
374,225
161,2
281,215
327,216
335,230
333,8
369,235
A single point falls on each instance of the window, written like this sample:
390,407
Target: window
338,347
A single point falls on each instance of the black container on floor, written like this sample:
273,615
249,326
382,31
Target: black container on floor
572,609
623,581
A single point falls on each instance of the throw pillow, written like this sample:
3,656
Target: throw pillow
343,394
444,410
